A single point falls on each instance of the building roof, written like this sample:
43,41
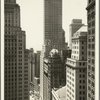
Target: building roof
61,93
81,32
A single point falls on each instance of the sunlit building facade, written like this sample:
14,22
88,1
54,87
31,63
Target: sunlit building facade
76,67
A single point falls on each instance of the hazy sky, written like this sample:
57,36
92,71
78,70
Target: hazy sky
32,15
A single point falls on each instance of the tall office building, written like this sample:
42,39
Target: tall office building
76,67
53,32
16,84
74,27
91,50
54,35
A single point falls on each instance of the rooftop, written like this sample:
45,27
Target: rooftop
60,93
81,32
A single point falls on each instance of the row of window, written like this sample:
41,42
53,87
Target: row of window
91,90
91,68
91,24
91,61
91,75
91,32
91,15
91,83
91,46
70,90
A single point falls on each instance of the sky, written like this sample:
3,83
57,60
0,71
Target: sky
32,19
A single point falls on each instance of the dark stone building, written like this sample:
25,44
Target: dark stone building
16,73
37,64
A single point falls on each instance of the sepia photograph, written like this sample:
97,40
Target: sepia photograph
49,50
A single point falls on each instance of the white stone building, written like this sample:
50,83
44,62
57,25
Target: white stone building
76,67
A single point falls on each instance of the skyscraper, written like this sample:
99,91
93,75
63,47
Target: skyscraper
74,27
16,85
91,50
76,67
54,35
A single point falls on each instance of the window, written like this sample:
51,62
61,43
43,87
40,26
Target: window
93,54
80,92
82,58
83,87
82,42
92,68
82,53
89,1
93,46
83,81
80,81
80,70
82,47
80,87
93,61
83,92
93,31
83,63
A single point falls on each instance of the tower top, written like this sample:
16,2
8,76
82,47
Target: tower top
10,1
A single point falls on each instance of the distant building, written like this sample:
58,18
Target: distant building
31,69
74,26
53,77
76,67
37,64
91,50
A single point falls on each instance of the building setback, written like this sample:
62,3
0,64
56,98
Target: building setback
91,50
76,67
74,27
16,73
